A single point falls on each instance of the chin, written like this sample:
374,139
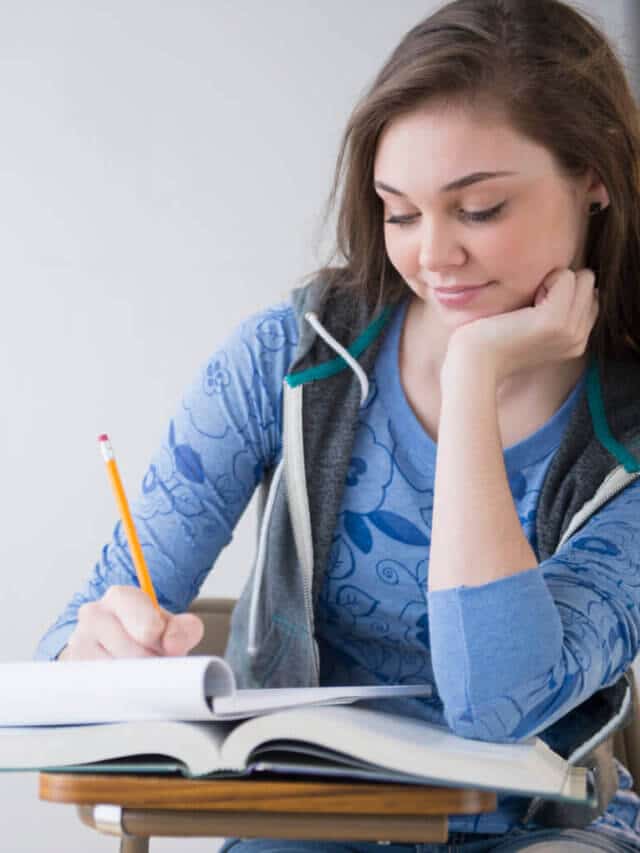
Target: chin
465,321
461,317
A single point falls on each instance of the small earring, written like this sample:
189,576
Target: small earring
594,208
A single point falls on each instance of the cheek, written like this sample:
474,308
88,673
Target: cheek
523,264
537,244
511,248
402,250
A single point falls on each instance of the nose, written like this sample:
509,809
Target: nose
439,245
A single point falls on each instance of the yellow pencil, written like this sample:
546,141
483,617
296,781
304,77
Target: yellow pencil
144,578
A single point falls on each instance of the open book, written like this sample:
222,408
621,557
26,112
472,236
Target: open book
353,742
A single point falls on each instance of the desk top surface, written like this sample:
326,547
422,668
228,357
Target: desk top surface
264,794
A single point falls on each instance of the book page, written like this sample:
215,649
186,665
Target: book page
248,702
160,688
413,747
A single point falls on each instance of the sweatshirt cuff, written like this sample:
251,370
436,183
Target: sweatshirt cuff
488,639
53,642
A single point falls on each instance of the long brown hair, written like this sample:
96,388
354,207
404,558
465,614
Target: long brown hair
558,81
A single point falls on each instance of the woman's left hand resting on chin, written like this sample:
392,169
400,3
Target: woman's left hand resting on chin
554,329
468,546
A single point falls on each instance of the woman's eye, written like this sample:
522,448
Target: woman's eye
482,215
400,220
469,215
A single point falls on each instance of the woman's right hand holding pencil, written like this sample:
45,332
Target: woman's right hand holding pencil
125,623
128,622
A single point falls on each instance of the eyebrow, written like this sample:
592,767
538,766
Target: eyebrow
458,184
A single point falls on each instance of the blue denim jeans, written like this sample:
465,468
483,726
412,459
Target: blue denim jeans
538,841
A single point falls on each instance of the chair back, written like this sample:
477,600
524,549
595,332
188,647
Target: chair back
216,615
626,741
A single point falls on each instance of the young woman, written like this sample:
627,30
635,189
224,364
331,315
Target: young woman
447,422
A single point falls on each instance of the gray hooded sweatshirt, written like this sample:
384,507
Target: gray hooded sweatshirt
272,642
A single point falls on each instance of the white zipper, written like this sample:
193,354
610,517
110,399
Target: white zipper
296,481
261,559
614,482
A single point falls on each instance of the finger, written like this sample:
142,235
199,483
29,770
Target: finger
586,283
560,285
83,649
557,277
183,632
540,295
138,615
109,632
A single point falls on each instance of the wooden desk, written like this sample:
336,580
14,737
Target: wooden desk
139,807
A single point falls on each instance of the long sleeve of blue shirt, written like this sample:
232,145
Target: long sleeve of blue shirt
512,656
226,431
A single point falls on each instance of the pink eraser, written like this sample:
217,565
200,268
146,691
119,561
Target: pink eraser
103,437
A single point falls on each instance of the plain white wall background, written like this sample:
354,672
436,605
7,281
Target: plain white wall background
163,167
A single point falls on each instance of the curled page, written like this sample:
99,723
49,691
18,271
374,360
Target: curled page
107,691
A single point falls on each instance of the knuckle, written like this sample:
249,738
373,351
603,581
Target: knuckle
558,275
112,595
149,627
117,598
87,611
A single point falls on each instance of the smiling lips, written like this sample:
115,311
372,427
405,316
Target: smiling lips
459,297
461,288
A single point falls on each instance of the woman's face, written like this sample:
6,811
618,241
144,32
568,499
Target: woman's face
507,231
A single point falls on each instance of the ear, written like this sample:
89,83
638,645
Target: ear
596,190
